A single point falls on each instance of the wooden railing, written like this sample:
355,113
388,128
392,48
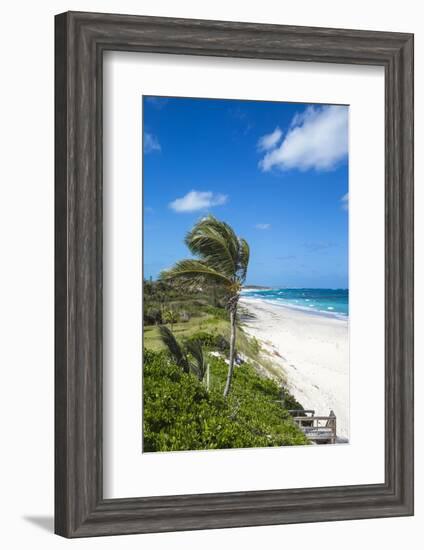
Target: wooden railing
319,429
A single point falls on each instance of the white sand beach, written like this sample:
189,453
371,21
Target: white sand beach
311,349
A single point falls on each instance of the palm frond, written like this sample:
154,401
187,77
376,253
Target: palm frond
174,347
195,273
216,244
199,362
243,259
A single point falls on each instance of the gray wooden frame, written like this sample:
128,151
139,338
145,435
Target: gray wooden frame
80,40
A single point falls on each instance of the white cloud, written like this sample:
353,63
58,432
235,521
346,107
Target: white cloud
345,201
300,118
317,138
263,226
198,200
268,141
151,143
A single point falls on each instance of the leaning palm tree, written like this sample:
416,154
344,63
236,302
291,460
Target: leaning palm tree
222,261
196,362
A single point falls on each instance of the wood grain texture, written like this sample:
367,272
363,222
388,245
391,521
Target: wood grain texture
81,39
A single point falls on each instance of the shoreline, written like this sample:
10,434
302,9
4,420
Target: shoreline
294,302
295,307
311,349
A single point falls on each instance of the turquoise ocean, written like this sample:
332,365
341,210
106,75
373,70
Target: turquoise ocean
320,300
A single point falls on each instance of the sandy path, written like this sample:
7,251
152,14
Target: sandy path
313,351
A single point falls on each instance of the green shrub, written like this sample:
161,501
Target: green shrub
218,312
152,316
170,316
215,342
291,403
180,414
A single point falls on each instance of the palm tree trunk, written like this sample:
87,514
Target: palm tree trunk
233,313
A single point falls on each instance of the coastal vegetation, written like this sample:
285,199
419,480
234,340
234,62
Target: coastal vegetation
207,385
181,414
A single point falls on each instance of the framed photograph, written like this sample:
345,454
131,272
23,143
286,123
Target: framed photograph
234,274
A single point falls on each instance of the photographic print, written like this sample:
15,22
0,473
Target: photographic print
245,274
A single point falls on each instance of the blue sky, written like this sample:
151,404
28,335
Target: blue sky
277,172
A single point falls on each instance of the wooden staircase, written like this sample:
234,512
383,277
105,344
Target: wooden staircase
318,429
